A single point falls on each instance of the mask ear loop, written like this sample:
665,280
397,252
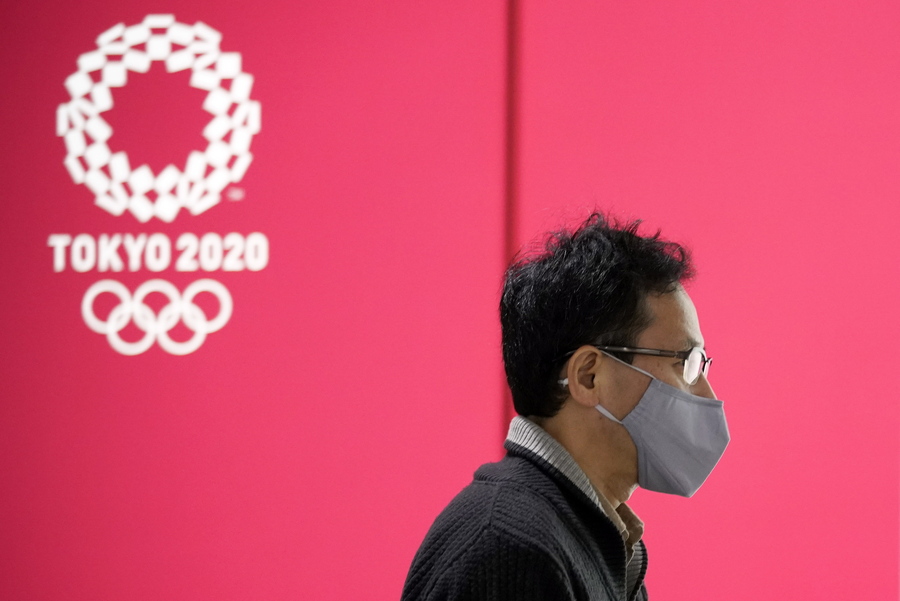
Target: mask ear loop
565,382
646,373
603,410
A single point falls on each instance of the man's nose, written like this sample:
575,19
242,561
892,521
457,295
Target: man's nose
703,388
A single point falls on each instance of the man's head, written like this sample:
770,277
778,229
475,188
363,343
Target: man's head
588,287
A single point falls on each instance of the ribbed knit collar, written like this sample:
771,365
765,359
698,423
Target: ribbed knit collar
526,434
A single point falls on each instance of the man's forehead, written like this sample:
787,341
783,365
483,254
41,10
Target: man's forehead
674,322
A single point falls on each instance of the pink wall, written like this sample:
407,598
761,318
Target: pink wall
304,448
765,136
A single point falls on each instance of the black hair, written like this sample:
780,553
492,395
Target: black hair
586,286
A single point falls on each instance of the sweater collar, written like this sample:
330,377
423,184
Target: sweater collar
526,434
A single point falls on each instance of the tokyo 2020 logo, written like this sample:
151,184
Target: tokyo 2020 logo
194,183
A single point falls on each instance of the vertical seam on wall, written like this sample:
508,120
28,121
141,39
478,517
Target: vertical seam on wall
512,58
510,217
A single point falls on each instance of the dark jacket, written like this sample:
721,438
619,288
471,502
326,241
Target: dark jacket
520,531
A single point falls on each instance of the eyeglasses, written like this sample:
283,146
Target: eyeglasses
695,360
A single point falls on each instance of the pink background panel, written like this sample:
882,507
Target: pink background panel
305,448
765,137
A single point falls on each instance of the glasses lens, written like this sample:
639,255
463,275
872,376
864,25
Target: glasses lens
693,365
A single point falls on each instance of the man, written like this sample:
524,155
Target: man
607,368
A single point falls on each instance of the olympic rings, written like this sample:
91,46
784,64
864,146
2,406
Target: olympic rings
156,326
199,184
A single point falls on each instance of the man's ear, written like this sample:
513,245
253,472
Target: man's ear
582,371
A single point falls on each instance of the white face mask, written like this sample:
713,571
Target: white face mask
679,437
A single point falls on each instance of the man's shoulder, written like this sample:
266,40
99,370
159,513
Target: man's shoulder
493,534
521,491
512,529
515,501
